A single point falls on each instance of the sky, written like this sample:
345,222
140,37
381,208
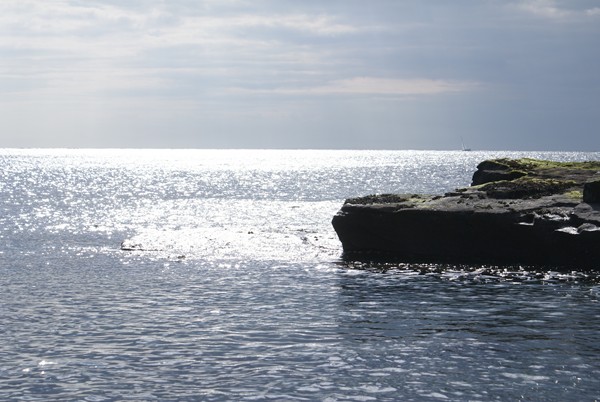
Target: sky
333,74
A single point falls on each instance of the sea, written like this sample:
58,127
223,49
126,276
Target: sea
216,275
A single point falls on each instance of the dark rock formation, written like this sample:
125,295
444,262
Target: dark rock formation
538,213
489,171
591,191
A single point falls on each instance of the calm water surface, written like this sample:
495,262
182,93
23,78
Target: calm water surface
235,289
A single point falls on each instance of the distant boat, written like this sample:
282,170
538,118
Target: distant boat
463,145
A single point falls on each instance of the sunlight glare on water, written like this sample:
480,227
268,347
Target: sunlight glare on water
230,286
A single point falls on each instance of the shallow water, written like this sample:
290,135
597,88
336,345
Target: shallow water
236,290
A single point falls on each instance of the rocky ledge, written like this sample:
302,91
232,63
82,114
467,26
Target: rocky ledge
516,212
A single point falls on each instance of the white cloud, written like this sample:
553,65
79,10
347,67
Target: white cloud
25,17
79,36
27,22
372,86
543,8
550,9
313,24
66,47
593,11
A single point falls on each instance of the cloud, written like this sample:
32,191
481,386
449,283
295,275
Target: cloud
551,9
542,8
313,24
372,86
593,11
59,17
65,47
31,22
211,60
62,39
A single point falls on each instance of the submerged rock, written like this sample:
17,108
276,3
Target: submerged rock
526,211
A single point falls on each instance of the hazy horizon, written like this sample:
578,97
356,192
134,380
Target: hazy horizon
474,151
237,74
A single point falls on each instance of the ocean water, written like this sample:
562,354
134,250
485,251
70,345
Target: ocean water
232,287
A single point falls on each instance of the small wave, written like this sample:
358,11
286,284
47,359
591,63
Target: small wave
479,272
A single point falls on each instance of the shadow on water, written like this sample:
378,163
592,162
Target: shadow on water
475,331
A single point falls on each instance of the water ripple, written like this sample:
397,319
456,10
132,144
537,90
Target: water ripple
232,288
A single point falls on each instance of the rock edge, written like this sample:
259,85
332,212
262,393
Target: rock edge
516,212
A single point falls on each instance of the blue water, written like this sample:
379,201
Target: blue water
235,289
